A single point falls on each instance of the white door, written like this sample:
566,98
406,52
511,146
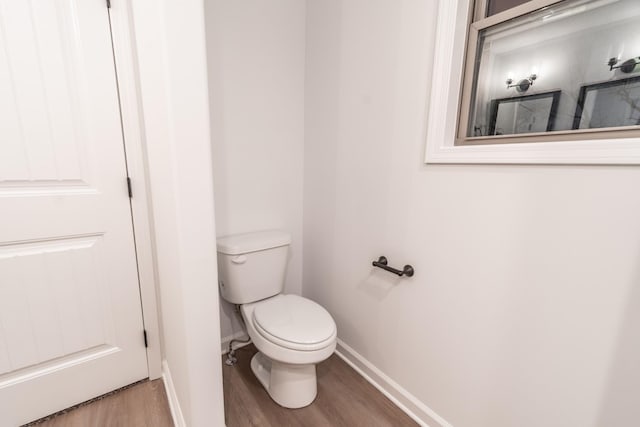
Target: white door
70,316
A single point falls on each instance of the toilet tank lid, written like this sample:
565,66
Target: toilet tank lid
236,244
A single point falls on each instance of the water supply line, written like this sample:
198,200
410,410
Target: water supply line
231,353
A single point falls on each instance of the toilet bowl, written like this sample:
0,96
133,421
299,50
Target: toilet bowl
292,333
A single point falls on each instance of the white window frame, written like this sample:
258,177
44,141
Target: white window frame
446,85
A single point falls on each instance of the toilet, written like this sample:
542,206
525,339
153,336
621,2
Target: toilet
292,333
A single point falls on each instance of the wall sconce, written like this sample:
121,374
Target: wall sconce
523,85
626,67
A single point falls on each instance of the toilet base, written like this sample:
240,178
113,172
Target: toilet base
290,386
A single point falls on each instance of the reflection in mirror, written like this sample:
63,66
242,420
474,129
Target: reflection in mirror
567,47
524,114
609,104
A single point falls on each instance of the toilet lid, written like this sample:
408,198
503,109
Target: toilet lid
294,322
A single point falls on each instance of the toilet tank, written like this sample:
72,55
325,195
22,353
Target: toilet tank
252,266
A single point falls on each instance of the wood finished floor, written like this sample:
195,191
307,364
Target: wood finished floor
344,399
142,405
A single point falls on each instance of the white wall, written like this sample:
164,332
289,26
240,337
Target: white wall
524,310
256,75
171,57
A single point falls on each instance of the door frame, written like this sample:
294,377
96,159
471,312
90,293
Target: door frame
132,128
161,57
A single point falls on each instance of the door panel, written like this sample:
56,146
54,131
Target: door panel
37,62
70,315
56,288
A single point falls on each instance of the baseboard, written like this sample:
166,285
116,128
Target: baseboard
172,397
417,410
224,343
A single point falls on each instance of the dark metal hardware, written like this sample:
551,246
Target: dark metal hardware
129,188
144,333
382,263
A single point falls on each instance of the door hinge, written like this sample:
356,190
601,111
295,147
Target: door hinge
108,4
129,187
146,343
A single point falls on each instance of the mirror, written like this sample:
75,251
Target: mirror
609,104
524,114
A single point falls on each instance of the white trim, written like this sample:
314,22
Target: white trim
172,397
446,77
171,62
224,342
404,400
443,111
126,65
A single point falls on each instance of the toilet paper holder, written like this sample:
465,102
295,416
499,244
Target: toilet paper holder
382,263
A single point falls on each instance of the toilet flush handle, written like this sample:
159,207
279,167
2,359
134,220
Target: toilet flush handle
240,259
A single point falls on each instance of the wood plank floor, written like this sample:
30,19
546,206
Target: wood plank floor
344,399
144,404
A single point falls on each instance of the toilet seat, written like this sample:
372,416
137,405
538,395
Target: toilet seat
294,322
